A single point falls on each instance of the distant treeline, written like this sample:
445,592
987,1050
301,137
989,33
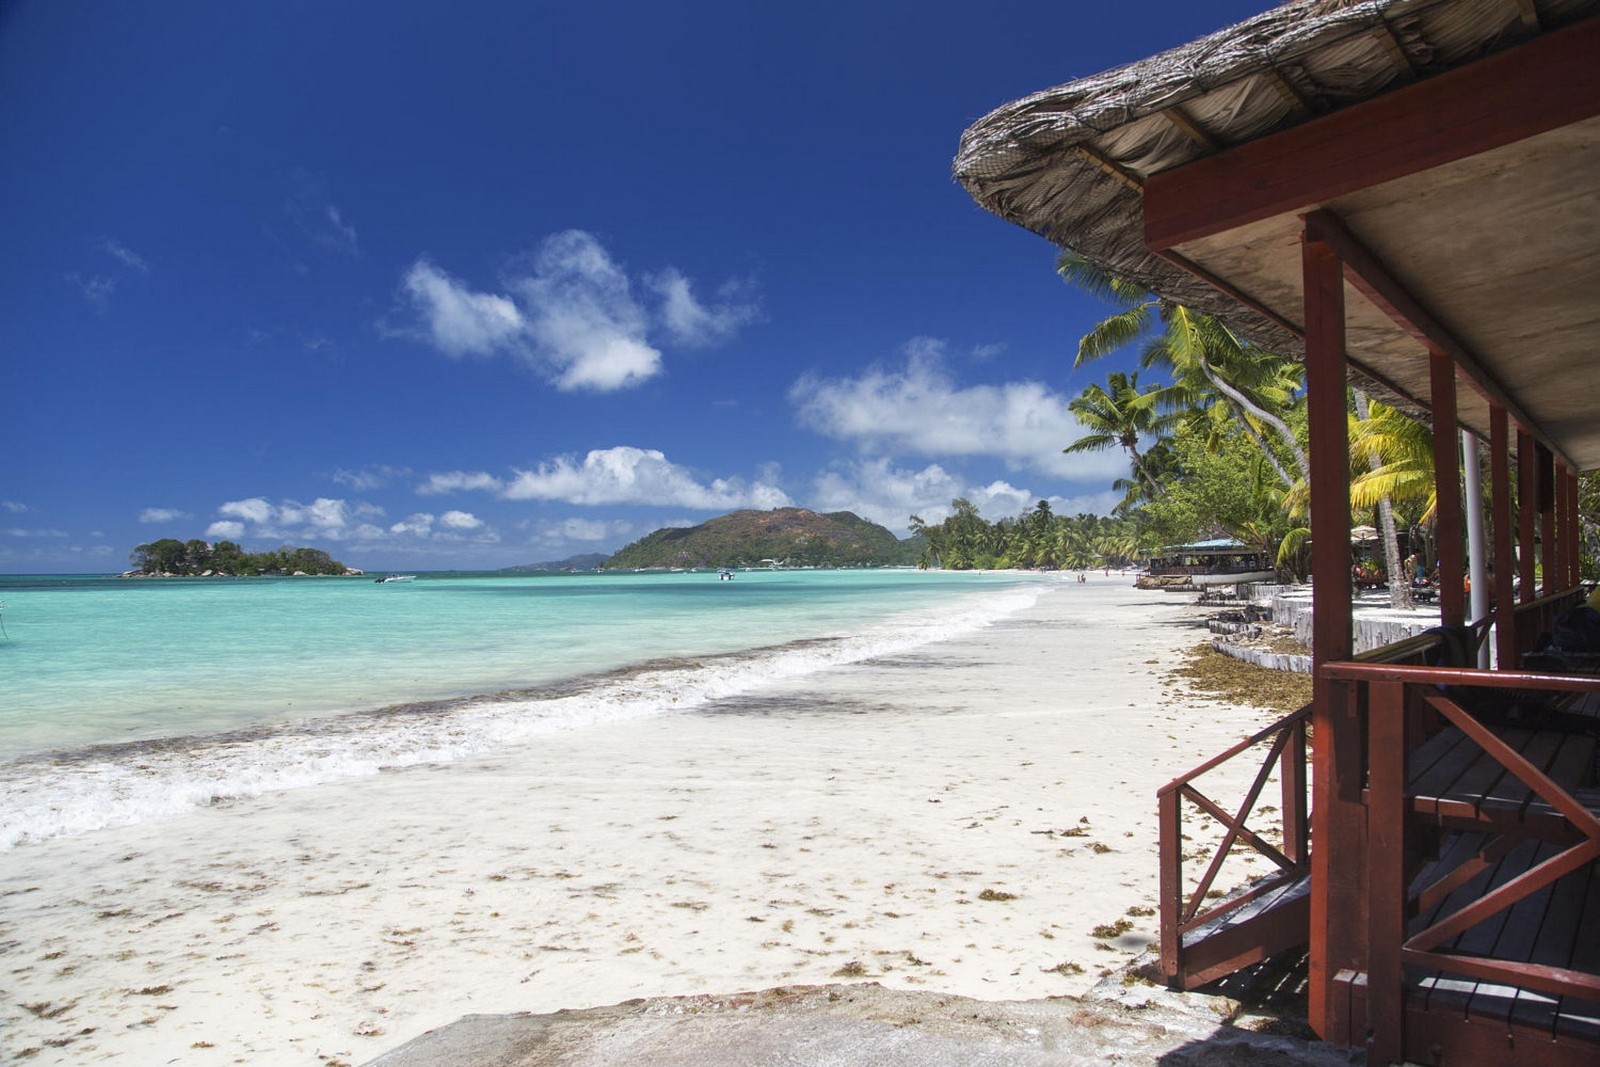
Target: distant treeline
196,557
1035,539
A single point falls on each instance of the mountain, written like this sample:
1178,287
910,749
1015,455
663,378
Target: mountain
794,537
585,562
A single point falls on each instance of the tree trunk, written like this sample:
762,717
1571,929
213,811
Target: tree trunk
1224,387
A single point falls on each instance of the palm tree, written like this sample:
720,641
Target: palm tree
1118,416
1399,581
1399,454
1206,359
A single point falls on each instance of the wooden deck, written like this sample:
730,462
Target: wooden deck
1558,926
1481,894
1454,782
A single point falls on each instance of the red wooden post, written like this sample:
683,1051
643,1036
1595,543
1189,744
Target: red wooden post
1526,511
1338,929
1547,522
1292,782
1574,536
1170,864
1386,877
1447,486
1559,546
1504,611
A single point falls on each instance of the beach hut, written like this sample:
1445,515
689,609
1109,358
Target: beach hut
1405,194
1218,561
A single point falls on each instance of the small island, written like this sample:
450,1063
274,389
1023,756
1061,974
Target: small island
171,558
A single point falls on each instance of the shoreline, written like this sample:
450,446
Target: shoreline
975,817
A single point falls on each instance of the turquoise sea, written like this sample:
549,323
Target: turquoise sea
123,700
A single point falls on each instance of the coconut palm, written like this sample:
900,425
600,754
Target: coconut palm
1399,581
1119,415
1213,370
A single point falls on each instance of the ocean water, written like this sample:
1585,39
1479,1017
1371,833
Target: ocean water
128,700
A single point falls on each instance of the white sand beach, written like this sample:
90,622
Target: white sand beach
958,819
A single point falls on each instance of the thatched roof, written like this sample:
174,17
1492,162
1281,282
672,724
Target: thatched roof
1071,163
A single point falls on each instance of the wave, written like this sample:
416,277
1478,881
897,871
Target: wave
80,791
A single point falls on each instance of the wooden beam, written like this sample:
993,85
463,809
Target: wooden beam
1550,82
1373,279
1504,610
1391,45
1281,86
1447,489
1121,174
1190,129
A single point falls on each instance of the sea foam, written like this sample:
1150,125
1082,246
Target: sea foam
118,785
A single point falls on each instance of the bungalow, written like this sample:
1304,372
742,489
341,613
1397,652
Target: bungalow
1405,194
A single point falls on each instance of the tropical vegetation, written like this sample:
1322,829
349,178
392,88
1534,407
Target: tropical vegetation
1035,539
169,556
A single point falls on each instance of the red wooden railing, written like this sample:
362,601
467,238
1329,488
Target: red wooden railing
1183,907
1390,697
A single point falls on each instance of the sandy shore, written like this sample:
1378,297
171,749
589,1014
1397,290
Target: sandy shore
959,819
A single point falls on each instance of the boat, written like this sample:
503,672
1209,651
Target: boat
396,578
725,576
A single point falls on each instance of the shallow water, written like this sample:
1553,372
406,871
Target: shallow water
129,699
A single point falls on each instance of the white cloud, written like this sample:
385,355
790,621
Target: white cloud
457,481
162,515
888,495
325,518
324,513
310,207
921,411
254,510
583,318
16,507
17,531
692,323
460,520
569,313
96,288
589,533
627,475
419,524
585,530
461,322
127,256
369,478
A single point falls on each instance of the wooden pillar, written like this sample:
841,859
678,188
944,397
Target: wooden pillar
1447,489
1574,533
1505,611
1386,901
1547,521
1559,546
1527,474
1338,920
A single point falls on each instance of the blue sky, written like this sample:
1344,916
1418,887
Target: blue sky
478,284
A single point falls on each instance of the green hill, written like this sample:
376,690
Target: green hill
793,537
